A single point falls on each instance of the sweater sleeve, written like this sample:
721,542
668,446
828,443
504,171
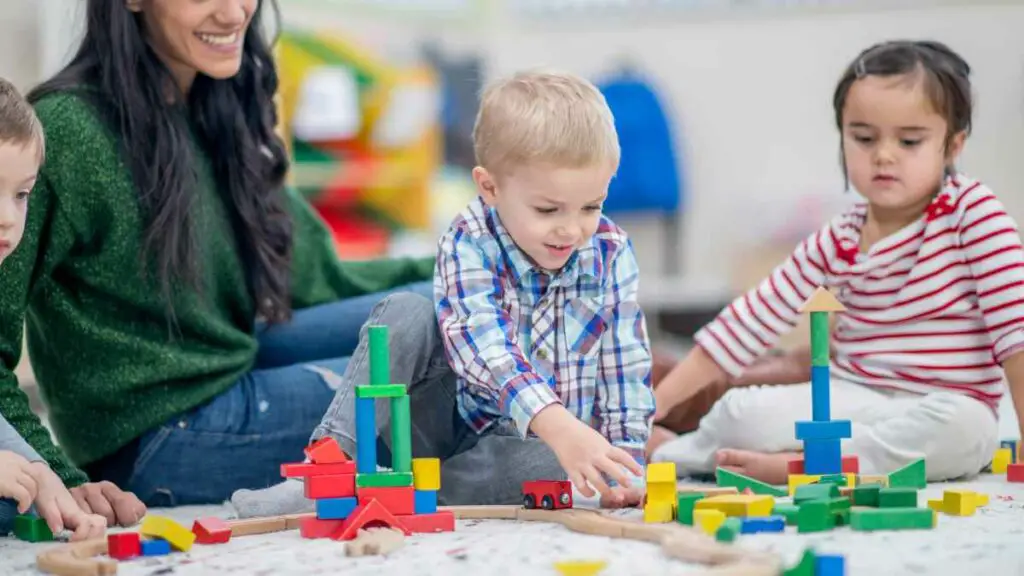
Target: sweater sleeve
11,441
755,322
992,249
47,240
320,276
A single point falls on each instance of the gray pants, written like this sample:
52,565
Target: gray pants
475,469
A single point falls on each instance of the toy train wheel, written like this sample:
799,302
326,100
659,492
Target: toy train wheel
564,499
547,503
529,502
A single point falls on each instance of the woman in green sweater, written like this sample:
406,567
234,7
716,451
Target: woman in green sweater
185,310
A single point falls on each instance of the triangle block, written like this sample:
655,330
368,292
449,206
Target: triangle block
369,512
912,475
325,451
741,482
822,301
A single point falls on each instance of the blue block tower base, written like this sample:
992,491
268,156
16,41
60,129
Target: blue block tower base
823,457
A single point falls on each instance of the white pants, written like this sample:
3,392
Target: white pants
955,434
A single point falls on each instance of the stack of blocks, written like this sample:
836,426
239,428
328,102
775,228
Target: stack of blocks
352,495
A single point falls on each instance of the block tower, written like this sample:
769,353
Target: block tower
354,495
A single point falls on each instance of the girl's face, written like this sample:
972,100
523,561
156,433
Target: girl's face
894,142
197,36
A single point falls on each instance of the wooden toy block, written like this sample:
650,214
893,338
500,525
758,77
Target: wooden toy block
330,486
384,480
738,504
840,508
796,480
740,482
305,470
1015,472
425,501
366,435
29,528
685,503
910,476
830,565
399,501
870,519
375,542
426,473
325,451
401,434
729,530
787,511
124,546
656,512
758,525
959,502
1002,458
850,465
661,472
662,493
440,521
313,528
380,355
866,495
155,547
684,488
708,520
982,499
897,498
380,391
805,566
580,567
815,492
335,508
369,513
815,516
211,530
1014,448
827,430
181,538
823,456
840,480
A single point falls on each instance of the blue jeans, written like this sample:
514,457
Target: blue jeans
240,438
8,510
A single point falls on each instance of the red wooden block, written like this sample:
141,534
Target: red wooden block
368,514
795,466
400,501
332,486
443,521
124,545
325,451
308,470
850,465
313,527
211,531
1015,472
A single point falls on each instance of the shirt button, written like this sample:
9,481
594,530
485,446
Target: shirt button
542,354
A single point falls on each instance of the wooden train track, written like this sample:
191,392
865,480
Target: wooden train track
676,540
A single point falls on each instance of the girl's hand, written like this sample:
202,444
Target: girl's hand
623,497
17,481
58,508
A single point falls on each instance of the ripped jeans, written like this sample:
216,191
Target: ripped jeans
240,438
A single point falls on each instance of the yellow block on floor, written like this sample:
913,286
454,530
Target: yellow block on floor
742,505
708,520
662,492
426,473
958,502
179,537
658,512
1001,460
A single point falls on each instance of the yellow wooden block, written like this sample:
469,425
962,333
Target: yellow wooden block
959,502
742,505
580,568
661,472
658,512
982,499
426,473
935,504
1001,460
708,520
796,480
178,536
661,492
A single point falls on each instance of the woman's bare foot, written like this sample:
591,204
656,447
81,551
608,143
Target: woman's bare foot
770,468
659,436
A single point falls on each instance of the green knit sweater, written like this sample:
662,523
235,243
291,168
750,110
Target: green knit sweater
106,363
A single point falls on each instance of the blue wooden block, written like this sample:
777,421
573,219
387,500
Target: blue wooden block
335,508
426,501
822,457
820,402
155,547
366,436
754,525
831,430
829,565
1012,445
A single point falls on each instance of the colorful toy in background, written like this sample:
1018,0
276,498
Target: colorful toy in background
364,137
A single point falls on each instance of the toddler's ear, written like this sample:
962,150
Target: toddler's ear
485,185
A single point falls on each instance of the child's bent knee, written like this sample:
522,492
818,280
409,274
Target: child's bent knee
403,308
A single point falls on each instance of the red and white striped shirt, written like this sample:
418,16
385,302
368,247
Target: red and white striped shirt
938,305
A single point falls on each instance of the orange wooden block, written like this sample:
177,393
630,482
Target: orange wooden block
330,486
368,514
325,451
1015,472
400,501
211,530
307,470
443,521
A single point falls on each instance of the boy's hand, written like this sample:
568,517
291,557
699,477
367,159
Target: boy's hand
58,508
623,497
106,499
16,480
583,452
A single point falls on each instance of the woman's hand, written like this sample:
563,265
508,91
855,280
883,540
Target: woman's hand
106,499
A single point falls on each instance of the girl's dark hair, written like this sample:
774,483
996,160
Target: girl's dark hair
945,75
233,120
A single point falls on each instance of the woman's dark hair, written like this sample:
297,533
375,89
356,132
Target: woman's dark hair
233,120
945,76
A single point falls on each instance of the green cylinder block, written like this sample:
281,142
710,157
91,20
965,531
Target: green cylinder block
819,339
380,357
401,435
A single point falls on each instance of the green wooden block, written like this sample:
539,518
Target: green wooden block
840,508
729,530
815,516
384,480
805,567
910,476
32,529
837,479
866,495
685,501
820,335
380,355
869,519
401,435
897,498
815,492
787,511
380,391
740,482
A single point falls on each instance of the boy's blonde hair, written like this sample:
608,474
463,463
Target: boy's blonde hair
18,122
544,117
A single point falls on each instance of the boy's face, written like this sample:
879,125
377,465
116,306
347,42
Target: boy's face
19,165
549,212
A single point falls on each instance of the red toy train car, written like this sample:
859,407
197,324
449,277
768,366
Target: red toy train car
549,494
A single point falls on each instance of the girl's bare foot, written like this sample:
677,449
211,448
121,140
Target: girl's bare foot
770,468
659,436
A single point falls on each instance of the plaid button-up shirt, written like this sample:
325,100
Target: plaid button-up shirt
521,338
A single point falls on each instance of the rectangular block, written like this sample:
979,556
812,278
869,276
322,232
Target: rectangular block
775,523
830,430
333,486
866,495
398,501
181,538
809,492
335,508
658,512
366,436
1002,458
662,492
426,473
211,530
380,391
384,480
820,394
870,519
30,528
155,547
815,516
822,457
308,470
425,501
443,521
897,498
313,528
401,435
738,504
1014,449
1015,473
851,465
661,472
325,451
797,480
124,546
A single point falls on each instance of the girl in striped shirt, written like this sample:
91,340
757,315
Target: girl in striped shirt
930,270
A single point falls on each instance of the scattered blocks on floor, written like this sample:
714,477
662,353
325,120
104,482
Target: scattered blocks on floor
159,527
124,546
910,476
155,547
897,498
211,531
30,528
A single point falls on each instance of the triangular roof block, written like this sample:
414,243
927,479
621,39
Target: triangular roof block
369,512
822,301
